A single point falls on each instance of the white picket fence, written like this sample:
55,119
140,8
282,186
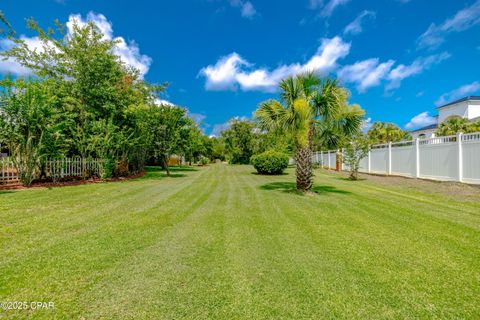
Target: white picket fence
452,158
55,168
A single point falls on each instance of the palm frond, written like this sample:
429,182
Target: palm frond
271,114
289,91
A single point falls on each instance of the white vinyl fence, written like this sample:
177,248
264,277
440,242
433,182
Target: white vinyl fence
453,158
55,168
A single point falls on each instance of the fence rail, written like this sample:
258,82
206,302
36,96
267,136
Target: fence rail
451,158
54,168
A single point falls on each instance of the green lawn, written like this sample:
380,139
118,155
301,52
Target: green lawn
222,242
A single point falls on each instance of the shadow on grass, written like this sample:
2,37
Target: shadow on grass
6,191
348,179
269,175
154,173
291,187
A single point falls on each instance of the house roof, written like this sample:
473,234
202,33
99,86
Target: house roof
469,98
432,126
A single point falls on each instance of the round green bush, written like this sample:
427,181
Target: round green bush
270,162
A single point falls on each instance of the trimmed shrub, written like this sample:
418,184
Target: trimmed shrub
270,162
203,161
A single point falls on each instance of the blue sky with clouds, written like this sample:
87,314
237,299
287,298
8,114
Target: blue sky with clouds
399,58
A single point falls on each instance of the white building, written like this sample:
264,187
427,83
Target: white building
467,108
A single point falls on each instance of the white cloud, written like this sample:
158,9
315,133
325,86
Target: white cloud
10,65
402,71
223,75
421,120
128,52
232,71
326,8
247,10
461,21
355,27
366,73
371,73
163,102
458,93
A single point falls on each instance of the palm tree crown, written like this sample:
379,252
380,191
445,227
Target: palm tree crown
310,107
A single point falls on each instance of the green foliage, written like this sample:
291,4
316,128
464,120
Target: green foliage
354,152
456,125
314,112
270,162
87,102
239,141
29,125
273,140
384,132
203,161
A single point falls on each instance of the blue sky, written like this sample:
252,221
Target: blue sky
399,58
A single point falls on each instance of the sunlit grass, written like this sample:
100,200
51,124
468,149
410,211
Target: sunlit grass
223,242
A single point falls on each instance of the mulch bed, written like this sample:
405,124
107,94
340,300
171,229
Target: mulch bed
77,182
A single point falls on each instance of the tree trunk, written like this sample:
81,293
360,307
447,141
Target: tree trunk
303,158
165,165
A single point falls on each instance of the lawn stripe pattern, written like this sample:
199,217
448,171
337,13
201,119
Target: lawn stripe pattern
223,242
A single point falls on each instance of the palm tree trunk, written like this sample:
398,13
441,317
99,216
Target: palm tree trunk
303,158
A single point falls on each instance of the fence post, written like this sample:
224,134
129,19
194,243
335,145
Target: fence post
389,157
341,159
460,157
369,165
328,155
417,158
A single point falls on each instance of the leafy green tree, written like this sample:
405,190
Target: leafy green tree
309,107
239,141
102,105
191,142
277,140
166,125
215,148
354,152
29,125
384,132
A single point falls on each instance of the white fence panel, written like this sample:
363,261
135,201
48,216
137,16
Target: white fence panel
403,159
332,163
363,165
379,160
55,168
439,158
8,170
471,157
453,158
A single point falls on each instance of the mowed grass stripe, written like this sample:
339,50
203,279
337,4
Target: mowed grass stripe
184,261
229,244
53,226
83,259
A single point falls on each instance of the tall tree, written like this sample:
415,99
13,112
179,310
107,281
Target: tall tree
310,106
239,141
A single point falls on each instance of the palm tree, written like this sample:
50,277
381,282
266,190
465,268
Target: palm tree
453,126
383,132
310,106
